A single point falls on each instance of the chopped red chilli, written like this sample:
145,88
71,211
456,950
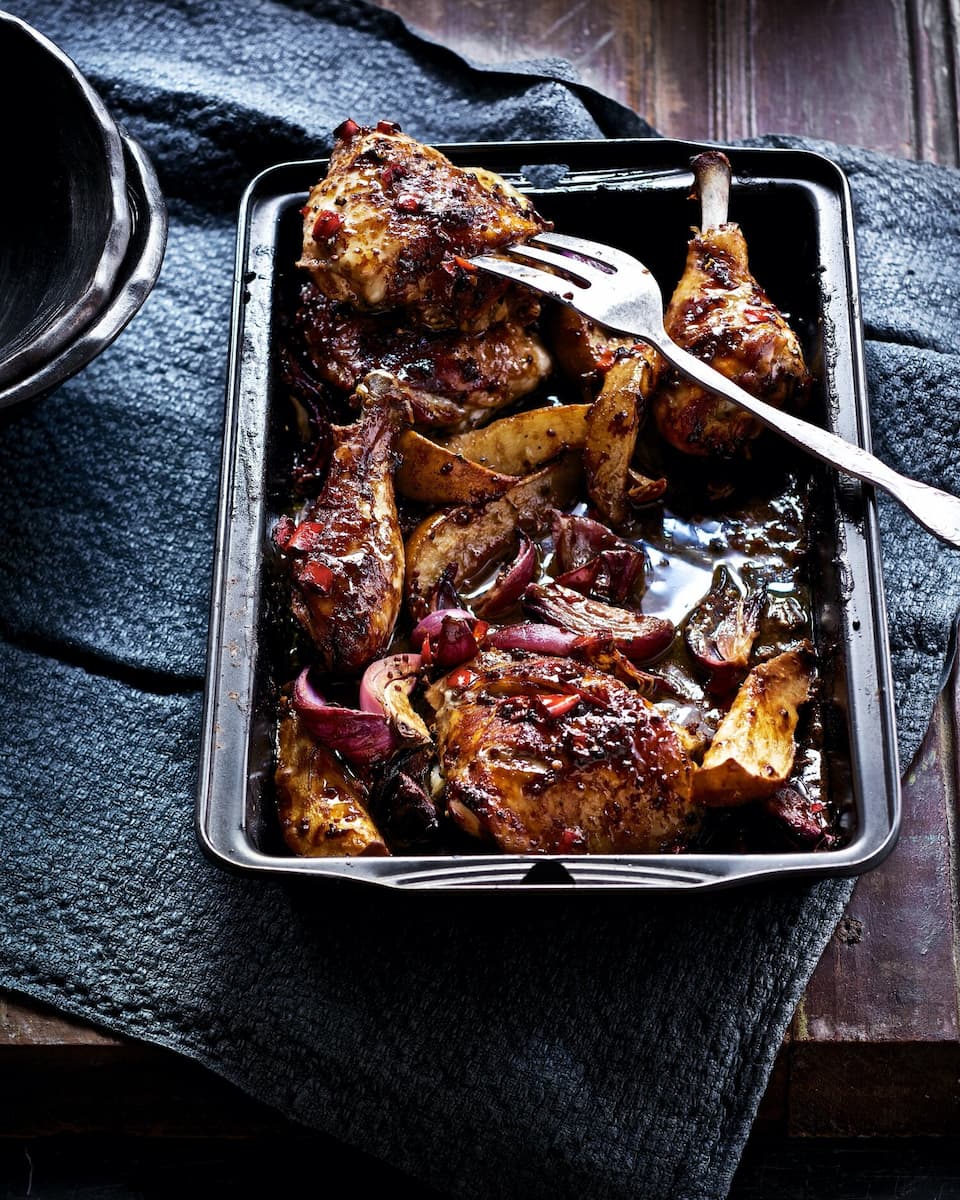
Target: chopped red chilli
315,575
326,225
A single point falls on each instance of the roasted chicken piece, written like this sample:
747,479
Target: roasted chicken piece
321,805
393,222
545,755
583,349
456,380
722,315
345,556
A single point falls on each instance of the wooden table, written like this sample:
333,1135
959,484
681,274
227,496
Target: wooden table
875,1046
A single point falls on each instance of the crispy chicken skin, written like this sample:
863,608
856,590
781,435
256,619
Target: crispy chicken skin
545,755
321,806
346,555
456,380
722,315
387,225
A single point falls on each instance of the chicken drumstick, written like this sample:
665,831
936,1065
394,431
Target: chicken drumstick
722,315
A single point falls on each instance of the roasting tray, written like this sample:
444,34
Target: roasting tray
796,211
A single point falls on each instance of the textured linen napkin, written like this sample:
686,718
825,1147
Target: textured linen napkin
602,1046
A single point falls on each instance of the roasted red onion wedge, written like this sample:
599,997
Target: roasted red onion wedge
612,575
538,639
505,591
359,736
577,539
721,630
593,560
799,820
430,625
639,637
386,688
448,637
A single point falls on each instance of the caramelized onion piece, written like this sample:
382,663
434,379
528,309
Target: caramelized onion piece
539,639
386,687
359,736
639,637
505,591
721,630
594,561
798,820
448,636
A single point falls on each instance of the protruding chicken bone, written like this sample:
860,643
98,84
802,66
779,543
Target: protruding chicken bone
712,173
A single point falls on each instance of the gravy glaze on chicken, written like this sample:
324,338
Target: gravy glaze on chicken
509,637
393,221
456,379
544,755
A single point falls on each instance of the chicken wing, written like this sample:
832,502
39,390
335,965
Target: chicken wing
393,222
722,315
545,755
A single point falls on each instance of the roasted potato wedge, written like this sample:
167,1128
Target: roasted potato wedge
432,474
459,542
752,753
520,444
613,423
321,805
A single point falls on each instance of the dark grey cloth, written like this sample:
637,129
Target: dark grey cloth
560,1046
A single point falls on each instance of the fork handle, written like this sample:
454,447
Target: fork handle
935,510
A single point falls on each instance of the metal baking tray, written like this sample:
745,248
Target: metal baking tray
796,211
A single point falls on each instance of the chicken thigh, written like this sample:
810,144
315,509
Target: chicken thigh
455,380
545,755
393,222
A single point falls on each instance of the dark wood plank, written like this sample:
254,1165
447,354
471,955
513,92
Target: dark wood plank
933,26
653,56
24,1024
848,73
888,974
875,1046
883,74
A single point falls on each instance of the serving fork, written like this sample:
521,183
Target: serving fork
617,291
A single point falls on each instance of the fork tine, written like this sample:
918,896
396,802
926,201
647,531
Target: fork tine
518,272
581,273
607,255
